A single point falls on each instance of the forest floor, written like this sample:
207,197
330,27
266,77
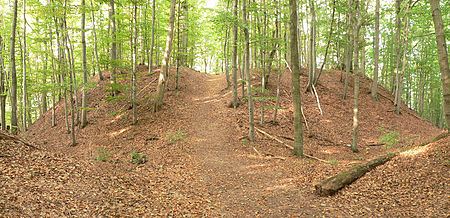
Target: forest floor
199,162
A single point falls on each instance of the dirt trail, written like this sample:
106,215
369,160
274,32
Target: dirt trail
239,181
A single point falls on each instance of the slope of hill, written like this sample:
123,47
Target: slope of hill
417,182
199,163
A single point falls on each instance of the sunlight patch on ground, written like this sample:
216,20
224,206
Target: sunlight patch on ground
416,151
116,118
327,151
116,133
286,185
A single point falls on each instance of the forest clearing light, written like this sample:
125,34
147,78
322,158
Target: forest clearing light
211,3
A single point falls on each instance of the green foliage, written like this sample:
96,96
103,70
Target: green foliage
175,137
102,154
114,99
389,138
138,158
258,89
244,141
116,87
333,161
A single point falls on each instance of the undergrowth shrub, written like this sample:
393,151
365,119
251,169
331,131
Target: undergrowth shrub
390,138
138,158
102,154
175,137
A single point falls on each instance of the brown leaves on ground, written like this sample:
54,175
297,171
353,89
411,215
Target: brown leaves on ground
199,165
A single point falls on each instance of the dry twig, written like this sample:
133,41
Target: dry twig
288,146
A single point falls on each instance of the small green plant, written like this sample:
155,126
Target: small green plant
334,161
389,138
175,137
138,158
244,141
102,154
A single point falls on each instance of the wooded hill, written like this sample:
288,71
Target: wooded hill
107,89
197,161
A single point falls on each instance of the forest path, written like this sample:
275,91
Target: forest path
239,182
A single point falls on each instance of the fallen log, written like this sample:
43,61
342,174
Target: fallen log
333,184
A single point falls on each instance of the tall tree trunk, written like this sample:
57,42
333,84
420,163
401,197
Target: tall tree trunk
298,133
85,72
251,131
3,92
24,70
234,57
157,60
279,72
134,47
226,51
443,56
152,44
112,18
165,71
44,80
400,75
178,46
54,80
328,43
95,44
348,55
357,21
376,51
397,49
69,62
72,73
312,47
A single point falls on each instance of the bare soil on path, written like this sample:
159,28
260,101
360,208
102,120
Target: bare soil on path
241,182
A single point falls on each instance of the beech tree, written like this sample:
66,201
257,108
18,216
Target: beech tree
376,50
443,57
163,76
298,133
84,62
234,57
357,21
251,131
12,57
